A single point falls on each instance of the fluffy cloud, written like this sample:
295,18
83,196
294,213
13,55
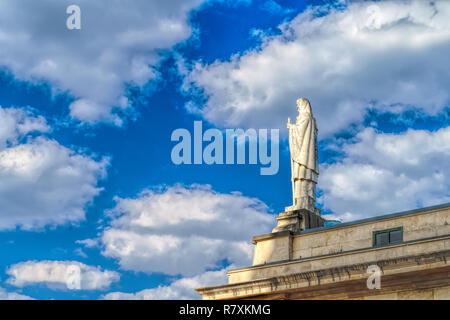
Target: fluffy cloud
118,43
5,295
387,55
17,123
56,182
384,173
71,275
182,289
184,230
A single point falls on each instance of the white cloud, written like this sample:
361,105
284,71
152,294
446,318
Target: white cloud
182,289
71,275
89,243
17,123
41,182
5,295
118,43
184,230
390,53
384,173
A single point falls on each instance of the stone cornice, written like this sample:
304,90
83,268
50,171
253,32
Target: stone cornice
302,279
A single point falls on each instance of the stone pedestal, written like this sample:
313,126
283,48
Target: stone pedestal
296,220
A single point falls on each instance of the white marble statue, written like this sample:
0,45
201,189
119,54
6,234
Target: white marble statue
304,160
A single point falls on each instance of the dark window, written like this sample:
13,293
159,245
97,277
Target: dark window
385,237
395,236
382,238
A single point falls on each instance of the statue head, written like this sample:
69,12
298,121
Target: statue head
303,106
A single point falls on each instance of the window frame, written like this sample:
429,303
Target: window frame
388,231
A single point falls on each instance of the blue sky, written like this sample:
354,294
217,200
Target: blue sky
86,118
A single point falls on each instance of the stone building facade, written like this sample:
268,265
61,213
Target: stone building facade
410,249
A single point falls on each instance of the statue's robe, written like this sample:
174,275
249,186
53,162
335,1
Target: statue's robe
304,159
